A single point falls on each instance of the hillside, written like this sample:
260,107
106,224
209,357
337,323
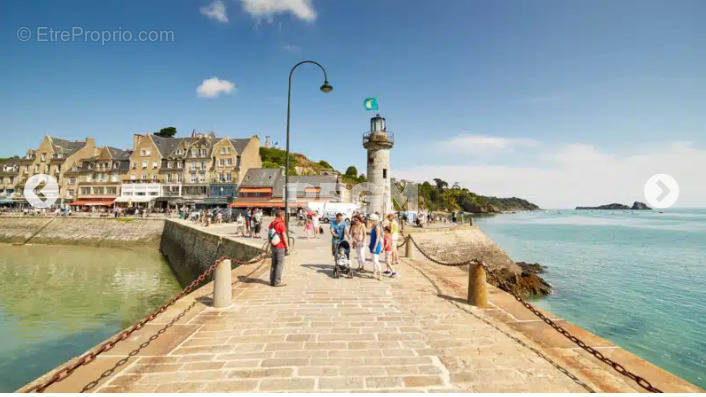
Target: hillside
436,197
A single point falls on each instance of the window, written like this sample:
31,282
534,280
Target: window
193,178
134,165
133,177
99,190
72,181
178,164
194,152
221,162
145,152
203,152
43,156
154,177
111,190
384,173
85,190
144,164
155,165
229,161
229,177
169,164
71,192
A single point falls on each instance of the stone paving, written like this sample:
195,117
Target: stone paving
325,334
409,334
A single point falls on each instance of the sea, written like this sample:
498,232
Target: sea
635,278
57,301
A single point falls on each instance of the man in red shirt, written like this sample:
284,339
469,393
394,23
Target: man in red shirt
278,250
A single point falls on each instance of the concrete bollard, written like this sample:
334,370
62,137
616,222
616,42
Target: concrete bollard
477,288
222,292
409,249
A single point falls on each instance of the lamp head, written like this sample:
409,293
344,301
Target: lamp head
326,87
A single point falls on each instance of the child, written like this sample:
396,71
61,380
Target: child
389,270
309,228
343,262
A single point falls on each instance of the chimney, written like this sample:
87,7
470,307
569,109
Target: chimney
136,139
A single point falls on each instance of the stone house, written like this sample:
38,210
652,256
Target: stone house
100,177
264,188
56,157
9,175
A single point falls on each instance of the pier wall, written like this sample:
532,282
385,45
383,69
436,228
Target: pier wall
189,251
80,230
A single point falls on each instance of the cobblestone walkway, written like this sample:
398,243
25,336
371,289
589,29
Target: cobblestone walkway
325,334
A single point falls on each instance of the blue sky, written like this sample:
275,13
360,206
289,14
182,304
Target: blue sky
510,98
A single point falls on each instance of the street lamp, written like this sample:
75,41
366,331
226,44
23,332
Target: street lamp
326,88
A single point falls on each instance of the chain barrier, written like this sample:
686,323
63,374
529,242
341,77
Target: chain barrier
87,358
642,382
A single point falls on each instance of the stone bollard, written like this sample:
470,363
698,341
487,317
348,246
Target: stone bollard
470,222
409,249
477,288
222,292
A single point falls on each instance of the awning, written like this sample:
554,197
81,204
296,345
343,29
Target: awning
134,199
264,204
255,190
7,201
96,202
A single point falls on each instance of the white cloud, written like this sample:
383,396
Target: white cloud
579,174
292,48
211,88
267,9
481,144
215,10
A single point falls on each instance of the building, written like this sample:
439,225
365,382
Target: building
192,171
378,143
9,175
56,157
264,188
99,178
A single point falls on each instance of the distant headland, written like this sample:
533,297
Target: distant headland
637,205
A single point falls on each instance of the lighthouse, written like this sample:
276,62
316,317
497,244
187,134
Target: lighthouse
378,143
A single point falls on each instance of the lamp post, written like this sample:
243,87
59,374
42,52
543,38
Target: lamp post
326,87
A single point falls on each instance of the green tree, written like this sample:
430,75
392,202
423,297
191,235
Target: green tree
326,165
269,164
440,184
351,171
166,132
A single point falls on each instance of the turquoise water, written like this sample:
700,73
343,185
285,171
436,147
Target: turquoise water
636,278
58,301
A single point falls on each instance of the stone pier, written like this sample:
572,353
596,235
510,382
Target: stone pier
415,333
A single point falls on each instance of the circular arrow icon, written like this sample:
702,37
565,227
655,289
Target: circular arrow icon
661,191
41,191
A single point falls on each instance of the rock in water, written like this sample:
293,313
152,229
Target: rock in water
638,205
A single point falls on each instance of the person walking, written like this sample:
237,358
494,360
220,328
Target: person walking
338,232
395,235
375,243
389,249
277,236
358,232
315,223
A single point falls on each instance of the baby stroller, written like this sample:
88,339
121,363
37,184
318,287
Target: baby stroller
342,260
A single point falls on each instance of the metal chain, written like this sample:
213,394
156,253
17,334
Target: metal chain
87,358
438,262
642,382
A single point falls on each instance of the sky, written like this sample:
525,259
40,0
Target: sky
563,103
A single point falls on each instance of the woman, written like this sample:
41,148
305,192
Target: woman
375,244
395,232
315,223
357,236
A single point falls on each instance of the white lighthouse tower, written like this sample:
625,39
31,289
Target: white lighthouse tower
378,142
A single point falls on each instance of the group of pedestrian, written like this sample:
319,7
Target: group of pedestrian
249,222
382,237
312,225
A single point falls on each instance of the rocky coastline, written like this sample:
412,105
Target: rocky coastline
637,206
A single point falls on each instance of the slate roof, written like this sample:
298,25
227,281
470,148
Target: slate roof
166,145
240,144
119,154
66,147
263,177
